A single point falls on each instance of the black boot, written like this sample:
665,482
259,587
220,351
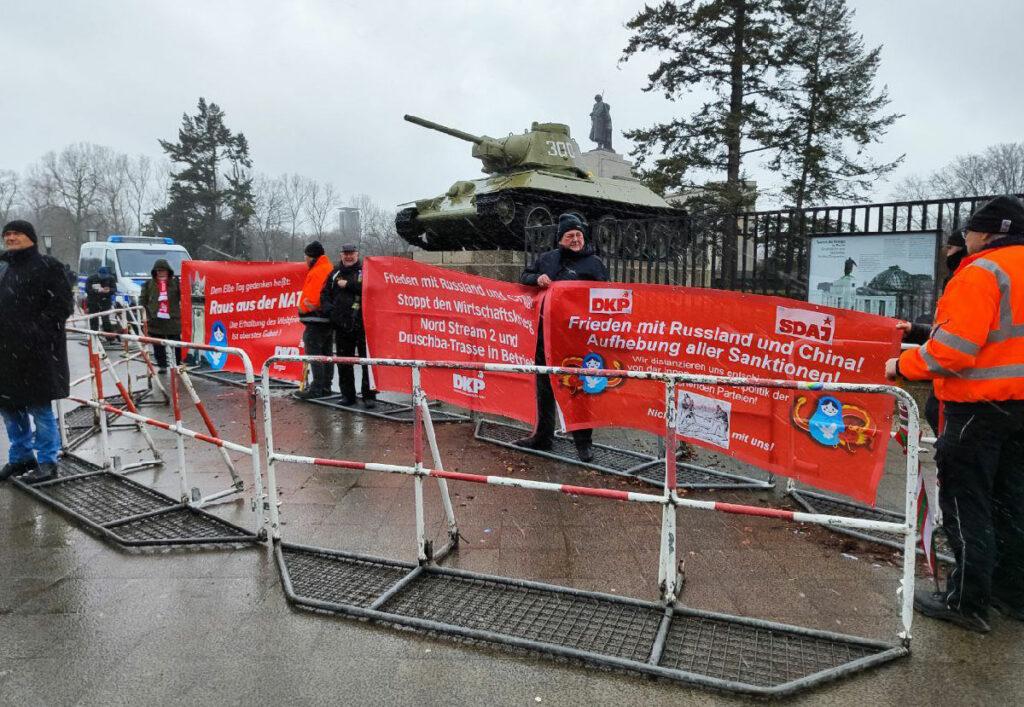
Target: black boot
17,468
1007,609
310,394
369,401
47,471
933,604
585,451
542,444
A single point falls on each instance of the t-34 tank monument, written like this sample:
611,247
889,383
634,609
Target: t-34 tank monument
531,178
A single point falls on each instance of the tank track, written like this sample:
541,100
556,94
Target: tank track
487,231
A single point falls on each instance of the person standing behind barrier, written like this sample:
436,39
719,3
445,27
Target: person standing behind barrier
161,296
917,332
975,356
341,300
35,303
317,337
99,297
573,258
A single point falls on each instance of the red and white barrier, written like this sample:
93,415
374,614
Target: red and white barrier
669,498
252,449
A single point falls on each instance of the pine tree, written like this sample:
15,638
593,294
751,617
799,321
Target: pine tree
210,199
829,105
721,45
726,47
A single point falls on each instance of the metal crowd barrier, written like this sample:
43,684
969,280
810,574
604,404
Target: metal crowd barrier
663,639
104,499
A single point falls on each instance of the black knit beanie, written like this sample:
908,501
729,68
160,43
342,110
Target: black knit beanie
314,250
22,227
956,237
1003,216
569,222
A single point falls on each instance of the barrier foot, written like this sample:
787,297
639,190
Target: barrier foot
620,462
717,651
207,500
139,466
814,502
128,513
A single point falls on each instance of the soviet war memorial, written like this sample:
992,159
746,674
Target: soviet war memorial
468,353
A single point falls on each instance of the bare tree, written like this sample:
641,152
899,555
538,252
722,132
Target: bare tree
320,209
378,225
139,177
9,185
296,193
270,213
113,176
76,175
997,170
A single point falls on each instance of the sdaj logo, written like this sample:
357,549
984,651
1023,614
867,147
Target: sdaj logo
469,385
805,324
608,300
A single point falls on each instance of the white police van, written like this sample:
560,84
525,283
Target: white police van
130,259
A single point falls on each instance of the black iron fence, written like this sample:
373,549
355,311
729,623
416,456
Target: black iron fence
763,252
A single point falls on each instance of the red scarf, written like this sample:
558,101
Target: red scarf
163,310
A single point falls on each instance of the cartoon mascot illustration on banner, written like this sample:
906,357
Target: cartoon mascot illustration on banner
835,424
591,385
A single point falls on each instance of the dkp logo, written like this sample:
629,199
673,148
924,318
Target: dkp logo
606,300
805,324
286,350
469,385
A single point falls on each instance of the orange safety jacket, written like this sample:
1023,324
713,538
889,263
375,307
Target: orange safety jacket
976,349
309,304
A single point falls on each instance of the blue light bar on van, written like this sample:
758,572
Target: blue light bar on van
115,239
168,241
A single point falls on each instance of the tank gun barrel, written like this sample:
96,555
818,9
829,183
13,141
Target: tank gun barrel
475,139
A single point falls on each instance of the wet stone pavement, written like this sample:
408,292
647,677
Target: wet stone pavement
82,622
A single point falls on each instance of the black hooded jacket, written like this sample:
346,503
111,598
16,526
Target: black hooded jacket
35,302
343,305
563,264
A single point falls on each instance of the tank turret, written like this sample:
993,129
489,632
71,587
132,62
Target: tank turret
544,146
531,178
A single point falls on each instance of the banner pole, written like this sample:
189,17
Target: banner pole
417,443
180,440
667,569
442,484
268,440
97,389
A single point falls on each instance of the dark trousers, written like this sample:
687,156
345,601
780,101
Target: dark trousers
160,351
352,343
546,404
980,457
319,341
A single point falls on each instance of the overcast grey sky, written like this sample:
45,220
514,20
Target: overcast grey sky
320,87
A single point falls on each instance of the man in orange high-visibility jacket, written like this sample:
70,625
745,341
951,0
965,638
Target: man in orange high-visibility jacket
975,355
318,336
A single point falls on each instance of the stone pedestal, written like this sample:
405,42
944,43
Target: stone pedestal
505,265
604,163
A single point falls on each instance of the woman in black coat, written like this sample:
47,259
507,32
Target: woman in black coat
35,302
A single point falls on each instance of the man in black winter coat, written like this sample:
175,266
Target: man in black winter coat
35,302
574,258
341,300
99,297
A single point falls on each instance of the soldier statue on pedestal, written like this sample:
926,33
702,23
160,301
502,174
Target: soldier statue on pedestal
601,124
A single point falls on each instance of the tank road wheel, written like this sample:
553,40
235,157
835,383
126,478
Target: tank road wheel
661,241
632,241
505,210
603,234
409,228
537,215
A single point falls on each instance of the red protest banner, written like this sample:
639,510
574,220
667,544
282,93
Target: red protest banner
253,306
834,441
417,311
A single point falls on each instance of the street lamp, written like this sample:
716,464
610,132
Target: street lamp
48,242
